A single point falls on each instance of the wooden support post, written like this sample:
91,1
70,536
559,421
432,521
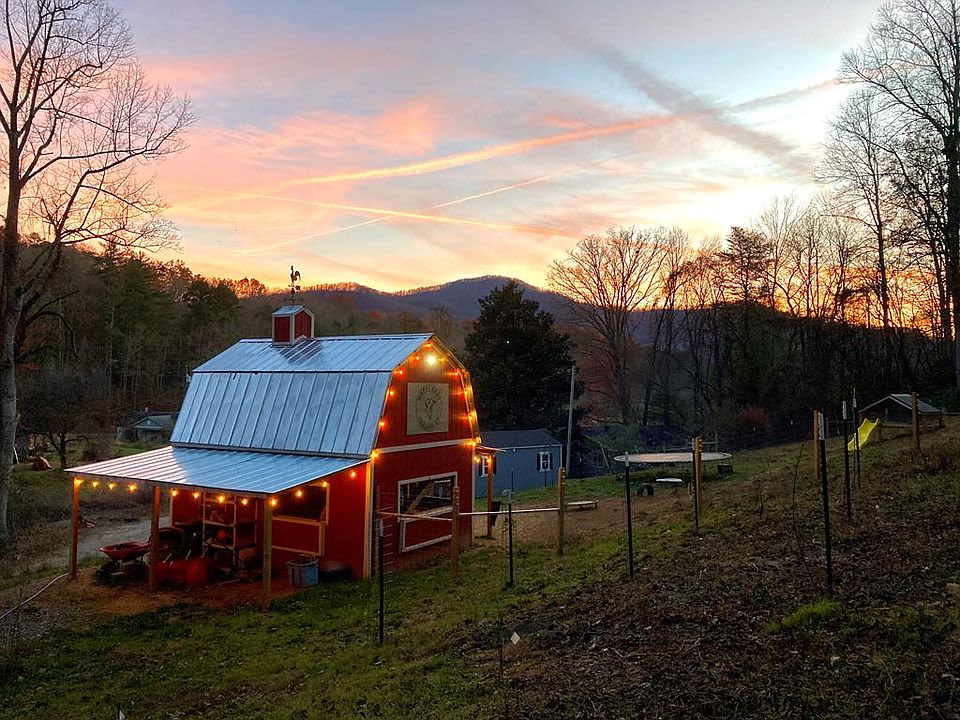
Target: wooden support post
455,535
75,527
916,421
629,510
488,460
267,552
697,478
154,577
561,507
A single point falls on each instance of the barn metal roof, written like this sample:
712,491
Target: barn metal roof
357,353
253,473
905,400
327,413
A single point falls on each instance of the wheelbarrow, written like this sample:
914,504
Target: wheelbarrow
125,563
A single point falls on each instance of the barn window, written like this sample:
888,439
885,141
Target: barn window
310,504
544,461
427,496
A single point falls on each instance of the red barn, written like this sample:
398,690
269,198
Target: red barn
296,444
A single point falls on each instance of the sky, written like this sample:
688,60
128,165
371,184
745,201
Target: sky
409,143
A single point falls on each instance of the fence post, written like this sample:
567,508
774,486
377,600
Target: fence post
697,477
488,464
626,484
561,507
816,453
856,440
846,464
455,535
509,495
380,579
74,527
825,490
916,421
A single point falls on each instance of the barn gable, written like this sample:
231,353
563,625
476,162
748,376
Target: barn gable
322,396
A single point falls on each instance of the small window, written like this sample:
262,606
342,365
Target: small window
310,504
427,496
488,465
544,461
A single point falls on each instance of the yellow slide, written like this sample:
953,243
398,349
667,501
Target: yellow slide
863,432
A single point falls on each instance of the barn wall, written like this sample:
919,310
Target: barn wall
453,453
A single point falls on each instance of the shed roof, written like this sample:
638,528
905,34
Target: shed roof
289,310
504,439
905,400
254,473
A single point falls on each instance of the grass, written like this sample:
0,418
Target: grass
315,654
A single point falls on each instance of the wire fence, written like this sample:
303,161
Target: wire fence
551,518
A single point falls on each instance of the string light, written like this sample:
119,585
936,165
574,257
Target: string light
221,498
95,483
374,454
392,393
111,486
299,493
273,502
353,473
382,424
431,359
132,487
173,493
196,496
78,482
244,501
326,484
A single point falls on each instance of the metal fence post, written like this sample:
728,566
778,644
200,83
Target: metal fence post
697,475
825,490
509,495
380,579
846,464
626,484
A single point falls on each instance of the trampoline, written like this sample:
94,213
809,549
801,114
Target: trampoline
670,458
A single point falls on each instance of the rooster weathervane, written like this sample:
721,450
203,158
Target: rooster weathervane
294,285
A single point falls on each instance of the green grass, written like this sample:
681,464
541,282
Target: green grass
315,654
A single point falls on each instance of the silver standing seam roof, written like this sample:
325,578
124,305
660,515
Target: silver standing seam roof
261,418
254,473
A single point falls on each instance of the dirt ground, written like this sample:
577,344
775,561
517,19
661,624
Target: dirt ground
722,625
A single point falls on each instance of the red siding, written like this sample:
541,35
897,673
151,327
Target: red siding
302,325
390,468
281,329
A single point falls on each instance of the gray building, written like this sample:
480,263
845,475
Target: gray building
527,459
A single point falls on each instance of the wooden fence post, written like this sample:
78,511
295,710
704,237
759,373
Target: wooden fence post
561,507
697,478
488,464
75,527
816,452
455,535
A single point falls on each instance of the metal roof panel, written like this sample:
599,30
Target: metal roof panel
255,473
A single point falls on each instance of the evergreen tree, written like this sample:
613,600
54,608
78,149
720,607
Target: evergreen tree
519,363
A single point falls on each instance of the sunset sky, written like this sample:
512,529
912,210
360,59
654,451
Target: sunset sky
399,144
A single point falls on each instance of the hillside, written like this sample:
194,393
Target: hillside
731,623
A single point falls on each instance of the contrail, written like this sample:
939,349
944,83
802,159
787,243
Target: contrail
474,156
683,102
402,214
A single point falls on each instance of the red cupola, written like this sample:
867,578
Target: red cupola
291,324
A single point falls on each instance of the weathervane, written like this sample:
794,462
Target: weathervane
294,287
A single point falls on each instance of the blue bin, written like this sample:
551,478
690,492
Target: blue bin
302,572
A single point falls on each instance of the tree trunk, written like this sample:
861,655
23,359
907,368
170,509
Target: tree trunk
952,242
10,305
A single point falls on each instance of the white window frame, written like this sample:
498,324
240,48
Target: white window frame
436,512
541,454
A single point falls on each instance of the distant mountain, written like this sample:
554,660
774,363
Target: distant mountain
460,297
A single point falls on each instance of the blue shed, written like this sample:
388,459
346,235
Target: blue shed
526,459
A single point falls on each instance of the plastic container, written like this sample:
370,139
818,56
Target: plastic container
302,572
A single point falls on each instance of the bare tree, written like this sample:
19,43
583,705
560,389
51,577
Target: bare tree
911,62
80,120
607,281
